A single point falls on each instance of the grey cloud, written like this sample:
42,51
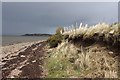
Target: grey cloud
40,17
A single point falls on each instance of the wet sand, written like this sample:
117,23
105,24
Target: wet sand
25,61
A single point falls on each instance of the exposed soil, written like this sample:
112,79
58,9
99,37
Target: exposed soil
27,64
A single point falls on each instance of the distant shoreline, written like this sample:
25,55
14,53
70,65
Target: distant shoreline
37,35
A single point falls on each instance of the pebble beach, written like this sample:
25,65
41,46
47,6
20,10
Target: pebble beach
16,59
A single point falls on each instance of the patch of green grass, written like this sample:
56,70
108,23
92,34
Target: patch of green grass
57,67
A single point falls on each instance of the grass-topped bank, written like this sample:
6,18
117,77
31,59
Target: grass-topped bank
85,52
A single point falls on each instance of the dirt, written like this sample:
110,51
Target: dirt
27,64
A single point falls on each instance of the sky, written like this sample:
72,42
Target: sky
0,20
44,17
59,0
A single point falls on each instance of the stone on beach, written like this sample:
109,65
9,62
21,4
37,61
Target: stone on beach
34,61
22,56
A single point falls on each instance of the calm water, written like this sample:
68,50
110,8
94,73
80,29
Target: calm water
8,40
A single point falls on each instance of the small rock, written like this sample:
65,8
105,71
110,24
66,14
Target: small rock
34,61
22,56
110,52
12,77
27,63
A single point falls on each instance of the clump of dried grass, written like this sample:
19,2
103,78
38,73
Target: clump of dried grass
99,31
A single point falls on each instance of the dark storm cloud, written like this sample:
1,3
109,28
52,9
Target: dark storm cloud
33,17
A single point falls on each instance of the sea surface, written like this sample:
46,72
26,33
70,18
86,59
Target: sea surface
9,40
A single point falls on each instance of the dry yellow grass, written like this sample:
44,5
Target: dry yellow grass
77,59
84,62
107,32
